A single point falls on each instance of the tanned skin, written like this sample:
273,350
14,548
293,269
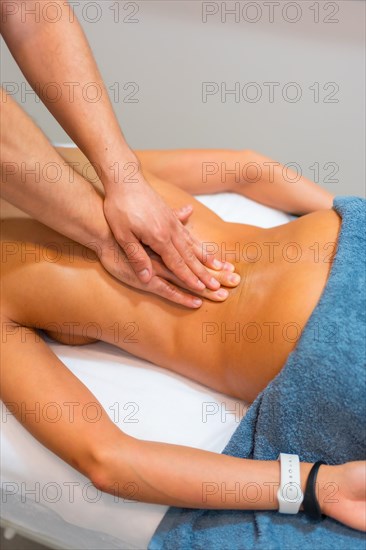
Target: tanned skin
283,272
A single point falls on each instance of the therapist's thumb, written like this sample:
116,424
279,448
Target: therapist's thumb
184,212
138,259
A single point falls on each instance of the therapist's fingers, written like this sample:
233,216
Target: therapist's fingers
185,265
199,256
184,212
137,257
114,260
225,277
163,282
206,252
165,289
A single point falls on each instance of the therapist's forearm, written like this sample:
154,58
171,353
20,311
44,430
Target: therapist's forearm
36,179
58,52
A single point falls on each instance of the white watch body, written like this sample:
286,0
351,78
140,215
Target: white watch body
289,494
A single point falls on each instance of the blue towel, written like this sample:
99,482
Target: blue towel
322,389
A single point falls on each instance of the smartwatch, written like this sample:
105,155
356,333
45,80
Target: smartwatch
289,494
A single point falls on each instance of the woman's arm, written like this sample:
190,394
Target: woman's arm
147,471
85,437
191,478
273,184
206,171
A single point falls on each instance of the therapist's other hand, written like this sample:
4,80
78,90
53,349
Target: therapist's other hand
138,216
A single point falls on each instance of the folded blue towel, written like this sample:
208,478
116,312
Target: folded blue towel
322,389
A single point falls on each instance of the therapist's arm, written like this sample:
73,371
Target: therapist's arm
58,52
56,195
62,199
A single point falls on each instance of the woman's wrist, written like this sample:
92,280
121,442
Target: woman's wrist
322,483
326,484
305,468
327,487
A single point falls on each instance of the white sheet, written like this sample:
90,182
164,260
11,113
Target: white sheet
64,510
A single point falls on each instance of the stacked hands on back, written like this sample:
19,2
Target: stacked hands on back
171,260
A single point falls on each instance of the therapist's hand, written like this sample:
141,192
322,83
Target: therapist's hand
138,216
163,282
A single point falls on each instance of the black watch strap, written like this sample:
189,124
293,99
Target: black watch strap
310,503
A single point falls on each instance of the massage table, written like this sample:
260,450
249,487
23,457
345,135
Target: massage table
45,499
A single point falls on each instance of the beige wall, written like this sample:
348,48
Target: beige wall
163,52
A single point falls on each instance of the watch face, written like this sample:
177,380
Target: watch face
291,492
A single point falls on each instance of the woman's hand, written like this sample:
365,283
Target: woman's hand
342,494
138,216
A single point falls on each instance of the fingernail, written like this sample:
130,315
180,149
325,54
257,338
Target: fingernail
197,302
214,282
144,274
184,209
228,266
234,278
222,293
217,264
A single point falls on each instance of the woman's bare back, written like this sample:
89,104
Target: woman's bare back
235,347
